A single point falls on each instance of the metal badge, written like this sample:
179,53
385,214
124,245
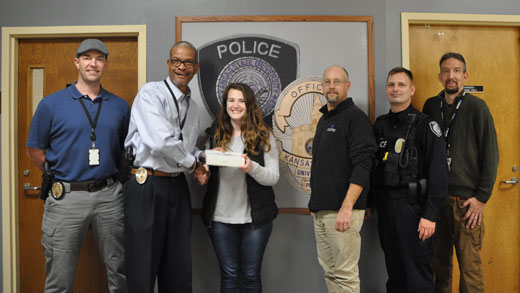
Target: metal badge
399,145
57,190
140,175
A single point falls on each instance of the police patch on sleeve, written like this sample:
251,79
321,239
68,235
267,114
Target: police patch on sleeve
435,128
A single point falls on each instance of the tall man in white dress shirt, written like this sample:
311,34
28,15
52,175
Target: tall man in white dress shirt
162,135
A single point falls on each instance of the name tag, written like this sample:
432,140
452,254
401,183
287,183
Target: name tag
93,157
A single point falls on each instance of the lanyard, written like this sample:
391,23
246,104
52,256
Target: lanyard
181,123
447,130
93,124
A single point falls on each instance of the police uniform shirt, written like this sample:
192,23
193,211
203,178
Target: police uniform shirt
431,150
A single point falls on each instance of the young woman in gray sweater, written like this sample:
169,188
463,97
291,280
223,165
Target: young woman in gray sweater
239,205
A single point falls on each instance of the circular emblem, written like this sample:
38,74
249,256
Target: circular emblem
294,125
57,190
399,145
140,175
308,146
258,74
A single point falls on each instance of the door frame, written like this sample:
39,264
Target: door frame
10,41
408,18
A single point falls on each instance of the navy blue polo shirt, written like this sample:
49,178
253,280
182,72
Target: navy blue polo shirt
61,126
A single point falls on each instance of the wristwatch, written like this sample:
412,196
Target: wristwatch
202,157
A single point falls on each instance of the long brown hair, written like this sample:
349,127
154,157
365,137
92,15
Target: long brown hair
255,133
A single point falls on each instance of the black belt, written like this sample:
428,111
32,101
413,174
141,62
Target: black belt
92,185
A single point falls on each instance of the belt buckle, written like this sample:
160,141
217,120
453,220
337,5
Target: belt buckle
93,186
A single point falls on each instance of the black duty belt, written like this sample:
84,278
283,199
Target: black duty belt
92,185
395,192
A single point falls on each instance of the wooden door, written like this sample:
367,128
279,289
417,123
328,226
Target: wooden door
46,66
493,61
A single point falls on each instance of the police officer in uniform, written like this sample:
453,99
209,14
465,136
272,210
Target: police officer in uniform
76,138
409,182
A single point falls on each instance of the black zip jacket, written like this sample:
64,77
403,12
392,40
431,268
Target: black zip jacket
342,153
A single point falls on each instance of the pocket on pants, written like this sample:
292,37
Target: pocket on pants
425,250
477,234
47,237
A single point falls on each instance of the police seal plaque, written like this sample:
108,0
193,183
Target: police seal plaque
294,124
265,63
141,174
57,190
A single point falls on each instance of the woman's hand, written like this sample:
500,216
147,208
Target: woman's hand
248,165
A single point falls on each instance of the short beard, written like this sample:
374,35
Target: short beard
451,91
332,101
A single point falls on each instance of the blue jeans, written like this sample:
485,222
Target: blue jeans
240,250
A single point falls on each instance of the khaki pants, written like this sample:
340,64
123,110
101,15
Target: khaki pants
451,230
338,252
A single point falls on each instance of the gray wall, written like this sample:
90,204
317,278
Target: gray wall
290,262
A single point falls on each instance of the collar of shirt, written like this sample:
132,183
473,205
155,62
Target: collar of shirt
76,95
462,94
401,116
340,107
179,95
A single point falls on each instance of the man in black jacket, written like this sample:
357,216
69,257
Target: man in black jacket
342,152
409,183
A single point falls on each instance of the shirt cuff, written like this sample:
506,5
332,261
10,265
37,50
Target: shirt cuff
188,162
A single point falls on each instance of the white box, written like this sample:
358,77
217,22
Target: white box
228,159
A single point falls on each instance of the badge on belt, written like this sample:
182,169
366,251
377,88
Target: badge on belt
57,190
141,174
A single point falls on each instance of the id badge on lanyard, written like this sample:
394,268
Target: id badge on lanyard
93,152
447,130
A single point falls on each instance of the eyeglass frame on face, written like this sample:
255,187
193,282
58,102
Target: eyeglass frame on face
336,82
187,63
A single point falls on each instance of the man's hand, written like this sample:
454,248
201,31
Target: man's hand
201,174
343,219
426,229
474,213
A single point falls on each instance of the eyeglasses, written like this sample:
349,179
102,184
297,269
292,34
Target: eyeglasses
187,63
336,82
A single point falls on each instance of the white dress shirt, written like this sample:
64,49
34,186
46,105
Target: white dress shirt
154,128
